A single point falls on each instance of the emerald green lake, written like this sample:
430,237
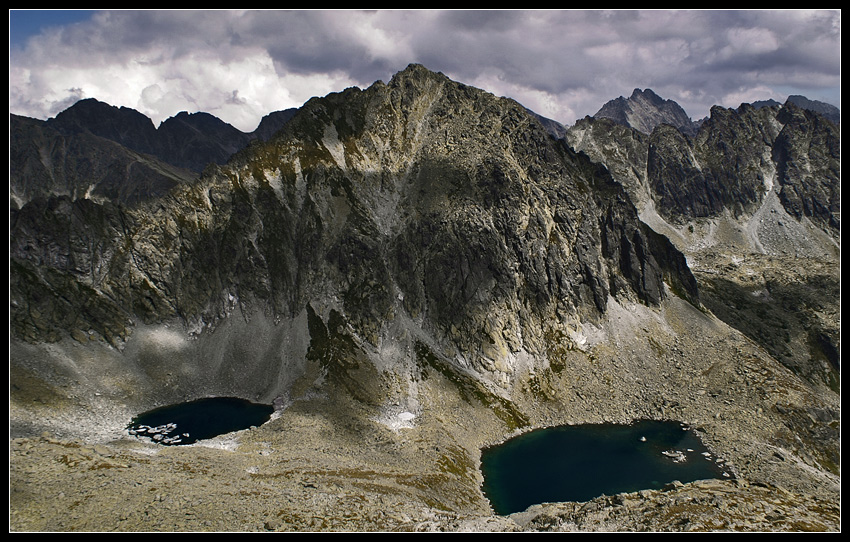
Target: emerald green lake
581,462
186,423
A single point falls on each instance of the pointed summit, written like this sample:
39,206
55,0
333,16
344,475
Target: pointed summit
644,110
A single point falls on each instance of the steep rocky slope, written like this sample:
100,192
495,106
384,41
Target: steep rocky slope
391,200
410,272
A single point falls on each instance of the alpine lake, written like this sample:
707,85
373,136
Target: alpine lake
189,422
582,462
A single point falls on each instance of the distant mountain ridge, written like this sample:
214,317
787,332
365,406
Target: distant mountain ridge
93,149
644,110
827,110
186,140
44,162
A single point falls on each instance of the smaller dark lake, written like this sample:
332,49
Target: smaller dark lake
581,462
186,423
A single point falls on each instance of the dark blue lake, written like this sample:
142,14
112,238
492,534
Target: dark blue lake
186,423
581,462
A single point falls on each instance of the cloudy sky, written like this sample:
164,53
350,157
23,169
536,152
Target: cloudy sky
241,65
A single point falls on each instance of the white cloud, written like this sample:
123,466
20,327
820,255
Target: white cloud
241,65
750,41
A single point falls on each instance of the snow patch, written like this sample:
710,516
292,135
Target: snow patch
396,420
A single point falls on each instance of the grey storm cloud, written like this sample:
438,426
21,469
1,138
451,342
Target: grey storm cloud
562,63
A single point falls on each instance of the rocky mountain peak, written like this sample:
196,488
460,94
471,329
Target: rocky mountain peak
123,125
186,140
644,110
827,110
647,95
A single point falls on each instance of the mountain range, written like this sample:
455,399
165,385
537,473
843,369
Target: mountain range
418,269
97,150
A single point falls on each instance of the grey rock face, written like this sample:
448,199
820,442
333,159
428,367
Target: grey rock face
723,169
808,156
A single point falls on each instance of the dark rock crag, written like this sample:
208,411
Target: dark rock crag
644,110
95,150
